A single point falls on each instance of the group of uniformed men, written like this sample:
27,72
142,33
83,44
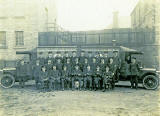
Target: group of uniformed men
91,72
81,72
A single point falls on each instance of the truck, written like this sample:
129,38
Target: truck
148,77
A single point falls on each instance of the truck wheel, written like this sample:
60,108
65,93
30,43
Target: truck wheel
7,81
150,82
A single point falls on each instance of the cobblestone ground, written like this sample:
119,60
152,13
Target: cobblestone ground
122,101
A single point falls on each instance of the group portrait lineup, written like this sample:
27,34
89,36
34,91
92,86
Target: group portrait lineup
79,71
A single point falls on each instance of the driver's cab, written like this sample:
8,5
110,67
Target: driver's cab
126,58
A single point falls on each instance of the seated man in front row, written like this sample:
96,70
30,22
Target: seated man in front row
54,78
107,79
88,77
97,78
65,77
77,73
43,77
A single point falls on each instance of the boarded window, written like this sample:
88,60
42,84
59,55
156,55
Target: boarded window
19,38
2,38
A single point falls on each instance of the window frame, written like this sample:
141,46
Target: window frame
4,41
19,39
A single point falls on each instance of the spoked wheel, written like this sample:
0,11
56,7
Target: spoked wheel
150,82
7,81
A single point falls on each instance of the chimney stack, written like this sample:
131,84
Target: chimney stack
115,19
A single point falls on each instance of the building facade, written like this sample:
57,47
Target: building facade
146,14
20,22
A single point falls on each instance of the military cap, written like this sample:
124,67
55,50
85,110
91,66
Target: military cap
89,51
66,52
105,51
73,51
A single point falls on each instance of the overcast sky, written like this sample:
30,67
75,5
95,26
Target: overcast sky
77,15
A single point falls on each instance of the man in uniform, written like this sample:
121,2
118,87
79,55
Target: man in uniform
22,73
54,78
58,57
102,64
102,67
66,56
75,60
87,77
65,77
112,68
134,69
94,64
49,65
36,73
117,63
89,58
105,57
107,79
76,77
41,59
81,59
97,78
43,77
85,64
49,57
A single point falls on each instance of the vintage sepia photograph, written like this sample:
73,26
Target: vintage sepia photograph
79,57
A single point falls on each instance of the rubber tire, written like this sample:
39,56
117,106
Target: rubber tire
153,77
11,77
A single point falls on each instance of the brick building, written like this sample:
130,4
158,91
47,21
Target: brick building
146,14
20,22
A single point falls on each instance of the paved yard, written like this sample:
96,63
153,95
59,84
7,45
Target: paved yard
122,101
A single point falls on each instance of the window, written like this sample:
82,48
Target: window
19,38
2,38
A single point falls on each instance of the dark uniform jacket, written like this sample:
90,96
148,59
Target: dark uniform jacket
37,70
54,74
117,62
81,61
107,74
77,72
112,67
102,66
59,66
125,68
46,60
134,69
105,60
98,73
41,61
65,74
90,60
48,67
58,58
43,76
73,61
88,72
64,61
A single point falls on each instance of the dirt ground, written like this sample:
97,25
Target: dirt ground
122,101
